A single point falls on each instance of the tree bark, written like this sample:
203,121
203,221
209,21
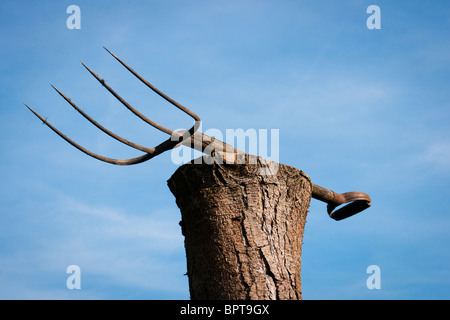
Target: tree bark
243,228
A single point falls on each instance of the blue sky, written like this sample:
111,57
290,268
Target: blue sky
357,109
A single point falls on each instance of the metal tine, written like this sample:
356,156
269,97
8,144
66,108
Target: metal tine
108,132
127,105
170,143
163,95
154,151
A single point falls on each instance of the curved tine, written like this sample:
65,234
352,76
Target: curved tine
127,105
124,162
108,132
176,104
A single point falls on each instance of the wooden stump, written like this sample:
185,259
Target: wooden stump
243,228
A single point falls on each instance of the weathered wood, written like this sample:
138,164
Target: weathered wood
243,228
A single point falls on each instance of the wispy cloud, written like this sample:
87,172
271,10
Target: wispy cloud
435,156
112,248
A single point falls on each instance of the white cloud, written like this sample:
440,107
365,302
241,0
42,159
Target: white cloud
435,156
113,249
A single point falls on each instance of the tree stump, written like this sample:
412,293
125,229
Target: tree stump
243,228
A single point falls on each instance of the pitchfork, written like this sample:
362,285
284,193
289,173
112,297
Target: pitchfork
358,201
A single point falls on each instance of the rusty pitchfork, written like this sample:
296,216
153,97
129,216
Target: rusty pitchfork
357,201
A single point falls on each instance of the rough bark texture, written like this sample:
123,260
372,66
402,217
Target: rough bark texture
243,229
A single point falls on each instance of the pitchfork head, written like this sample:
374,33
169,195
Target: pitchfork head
176,137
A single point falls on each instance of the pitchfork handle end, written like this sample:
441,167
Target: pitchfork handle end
356,202
348,210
